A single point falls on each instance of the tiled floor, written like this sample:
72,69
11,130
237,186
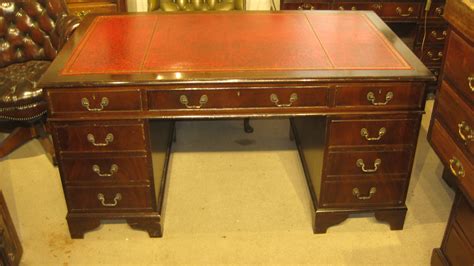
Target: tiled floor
232,198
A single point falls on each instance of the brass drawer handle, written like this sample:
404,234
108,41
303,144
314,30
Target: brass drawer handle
352,8
431,56
439,11
356,193
108,139
470,79
401,14
103,103
365,133
275,100
377,6
101,198
183,99
306,6
371,98
456,167
113,169
361,165
464,127
434,34
82,14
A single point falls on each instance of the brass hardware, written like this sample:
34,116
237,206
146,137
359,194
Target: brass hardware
439,11
430,55
306,6
365,133
103,103
101,198
463,126
108,139
275,100
183,99
470,79
112,171
434,34
82,14
371,98
356,193
401,14
377,6
455,163
352,8
360,164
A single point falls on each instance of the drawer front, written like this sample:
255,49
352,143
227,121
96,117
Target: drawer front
373,132
458,117
94,101
436,11
362,193
237,98
104,199
386,10
459,65
100,137
435,35
465,220
453,158
431,55
110,170
383,96
457,250
304,6
367,163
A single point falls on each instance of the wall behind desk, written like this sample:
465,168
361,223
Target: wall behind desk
141,5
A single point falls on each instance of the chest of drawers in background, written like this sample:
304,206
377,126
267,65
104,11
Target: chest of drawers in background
83,7
452,133
422,31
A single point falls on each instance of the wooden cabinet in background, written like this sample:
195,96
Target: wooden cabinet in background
83,7
423,31
451,134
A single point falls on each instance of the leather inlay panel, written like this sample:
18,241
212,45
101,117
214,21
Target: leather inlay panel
231,42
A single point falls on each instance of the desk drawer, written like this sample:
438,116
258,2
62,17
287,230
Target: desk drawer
435,34
380,96
101,137
305,5
110,170
373,132
111,199
83,9
458,117
365,163
368,192
386,10
431,55
453,158
94,101
459,65
237,98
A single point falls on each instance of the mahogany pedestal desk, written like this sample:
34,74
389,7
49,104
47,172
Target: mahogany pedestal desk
353,91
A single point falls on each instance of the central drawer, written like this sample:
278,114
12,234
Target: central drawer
388,11
237,98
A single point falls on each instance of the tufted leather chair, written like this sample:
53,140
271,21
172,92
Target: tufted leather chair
31,34
196,5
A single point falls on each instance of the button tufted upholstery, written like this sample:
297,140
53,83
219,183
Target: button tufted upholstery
31,34
196,5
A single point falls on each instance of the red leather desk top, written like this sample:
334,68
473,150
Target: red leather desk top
230,41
